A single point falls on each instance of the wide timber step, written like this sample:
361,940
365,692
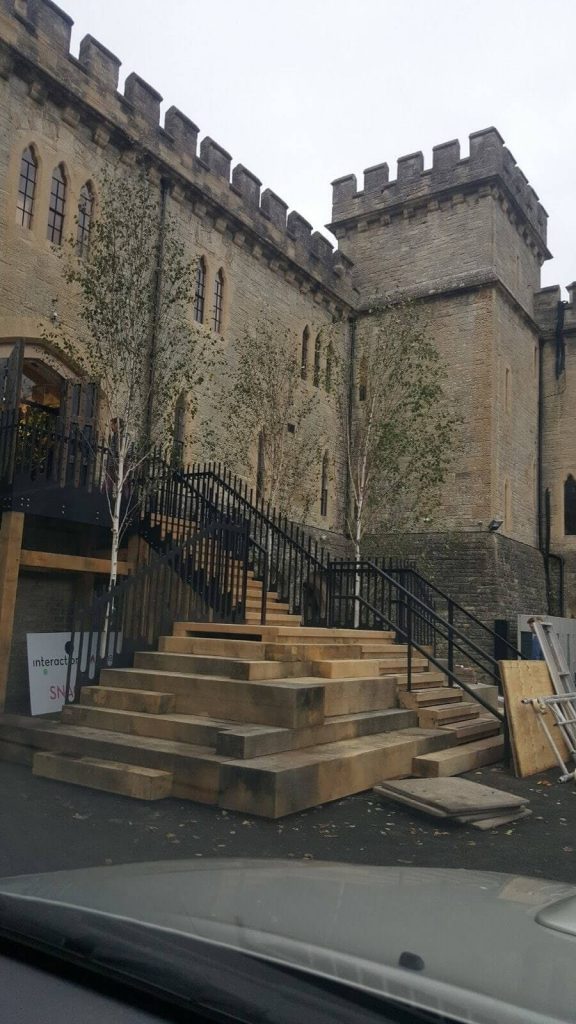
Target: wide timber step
443,714
428,696
149,701
255,631
459,759
195,769
474,729
282,784
233,739
294,704
350,667
111,776
234,668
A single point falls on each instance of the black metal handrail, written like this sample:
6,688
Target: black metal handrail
442,628
456,607
296,562
205,578
413,645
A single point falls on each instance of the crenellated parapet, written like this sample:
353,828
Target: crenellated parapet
550,310
35,45
490,164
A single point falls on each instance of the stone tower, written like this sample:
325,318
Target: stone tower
467,238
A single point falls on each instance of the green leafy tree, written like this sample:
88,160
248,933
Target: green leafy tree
275,425
400,429
133,287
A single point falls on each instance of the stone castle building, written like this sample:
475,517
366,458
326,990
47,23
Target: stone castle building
465,237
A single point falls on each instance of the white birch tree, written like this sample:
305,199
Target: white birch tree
399,428
133,287
275,425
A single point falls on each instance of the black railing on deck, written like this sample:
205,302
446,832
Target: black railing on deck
203,579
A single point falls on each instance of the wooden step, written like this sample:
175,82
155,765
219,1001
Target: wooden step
281,784
206,665
251,650
430,678
195,769
278,633
242,742
288,703
460,759
254,603
272,618
111,776
428,696
149,701
321,652
476,729
350,667
197,730
430,717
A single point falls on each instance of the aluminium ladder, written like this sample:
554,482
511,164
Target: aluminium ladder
563,704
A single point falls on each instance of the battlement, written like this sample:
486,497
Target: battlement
40,33
489,162
546,304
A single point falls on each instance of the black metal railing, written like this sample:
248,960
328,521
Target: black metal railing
203,579
50,472
372,581
296,562
411,617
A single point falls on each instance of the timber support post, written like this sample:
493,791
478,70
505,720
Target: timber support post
10,547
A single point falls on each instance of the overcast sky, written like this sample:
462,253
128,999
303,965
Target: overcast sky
304,91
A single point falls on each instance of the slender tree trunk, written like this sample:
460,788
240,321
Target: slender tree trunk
115,545
357,581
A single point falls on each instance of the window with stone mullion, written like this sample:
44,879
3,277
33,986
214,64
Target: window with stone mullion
218,302
84,219
57,207
26,189
200,292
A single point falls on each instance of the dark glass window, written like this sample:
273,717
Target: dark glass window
260,469
317,359
304,359
328,375
57,207
570,507
85,208
200,292
324,487
362,392
26,188
179,431
218,302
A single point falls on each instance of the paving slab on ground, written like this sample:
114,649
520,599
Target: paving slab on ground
50,826
445,797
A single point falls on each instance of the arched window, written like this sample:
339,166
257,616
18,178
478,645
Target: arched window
328,374
317,360
85,209
200,292
218,302
324,486
570,506
304,360
179,431
57,206
26,188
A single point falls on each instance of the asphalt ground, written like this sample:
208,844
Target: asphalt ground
49,826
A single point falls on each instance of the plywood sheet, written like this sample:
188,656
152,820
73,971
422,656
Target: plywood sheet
532,752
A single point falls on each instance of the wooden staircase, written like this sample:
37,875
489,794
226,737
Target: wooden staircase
263,719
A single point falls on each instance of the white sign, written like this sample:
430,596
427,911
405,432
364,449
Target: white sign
48,658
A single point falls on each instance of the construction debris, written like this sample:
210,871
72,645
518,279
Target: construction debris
468,803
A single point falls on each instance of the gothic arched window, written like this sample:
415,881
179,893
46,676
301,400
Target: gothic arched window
304,359
317,361
200,292
218,302
85,210
57,206
26,188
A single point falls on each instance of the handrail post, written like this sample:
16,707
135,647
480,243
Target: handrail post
450,639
